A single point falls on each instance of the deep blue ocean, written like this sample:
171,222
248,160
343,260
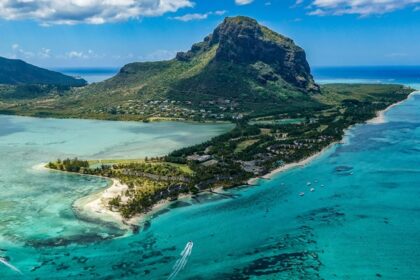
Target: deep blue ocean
371,74
409,75
361,222
90,74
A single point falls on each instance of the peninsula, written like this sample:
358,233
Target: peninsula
243,73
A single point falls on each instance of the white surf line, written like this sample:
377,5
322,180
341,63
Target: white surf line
9,265
180,263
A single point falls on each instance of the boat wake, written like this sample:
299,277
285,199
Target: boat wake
182,261
9,265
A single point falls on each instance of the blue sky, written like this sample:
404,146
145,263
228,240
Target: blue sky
102,33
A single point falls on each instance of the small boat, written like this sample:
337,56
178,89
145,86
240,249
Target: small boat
312,189
301,194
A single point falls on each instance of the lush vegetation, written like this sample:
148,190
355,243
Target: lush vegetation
70,165
253,148
148,181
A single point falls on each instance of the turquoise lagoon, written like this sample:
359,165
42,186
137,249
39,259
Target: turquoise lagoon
36,205
361,222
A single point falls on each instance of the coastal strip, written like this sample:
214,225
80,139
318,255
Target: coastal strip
96,206
378,119
286,167
380,115
138,189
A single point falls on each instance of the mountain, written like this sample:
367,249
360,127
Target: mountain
242,69
240,59
18,72
264,54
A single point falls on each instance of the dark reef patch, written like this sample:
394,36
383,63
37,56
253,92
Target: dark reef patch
75,239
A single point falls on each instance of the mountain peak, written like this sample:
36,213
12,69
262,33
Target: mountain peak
242,40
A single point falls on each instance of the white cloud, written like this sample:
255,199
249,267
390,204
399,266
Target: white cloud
49,12
220,13
243,2
18,52
190,17
358,7
44,53
75,54
196,16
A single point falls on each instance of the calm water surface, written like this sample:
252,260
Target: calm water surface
361,222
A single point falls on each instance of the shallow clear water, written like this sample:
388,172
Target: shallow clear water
364,223
35,205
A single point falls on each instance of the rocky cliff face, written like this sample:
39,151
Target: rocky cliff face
241,40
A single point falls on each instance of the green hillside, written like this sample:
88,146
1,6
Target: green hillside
242,70
18,72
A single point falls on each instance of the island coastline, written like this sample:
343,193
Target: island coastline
378,119
95,205
380,115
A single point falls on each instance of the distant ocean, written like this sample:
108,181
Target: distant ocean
354,74
91,75
408,75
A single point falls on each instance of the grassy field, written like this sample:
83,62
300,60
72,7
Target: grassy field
244,144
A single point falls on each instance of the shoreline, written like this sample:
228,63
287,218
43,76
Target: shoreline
95,205
378,119
292,165
380,115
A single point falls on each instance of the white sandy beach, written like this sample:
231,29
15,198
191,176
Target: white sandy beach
283,168
380,116
96,205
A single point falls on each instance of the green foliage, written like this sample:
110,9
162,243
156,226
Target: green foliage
70,165
18,72
247,151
